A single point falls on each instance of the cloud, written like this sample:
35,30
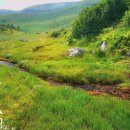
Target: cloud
20,4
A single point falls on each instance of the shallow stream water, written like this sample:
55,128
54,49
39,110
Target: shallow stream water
6,63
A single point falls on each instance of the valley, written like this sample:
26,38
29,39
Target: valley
66,68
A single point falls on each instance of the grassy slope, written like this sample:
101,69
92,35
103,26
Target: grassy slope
44,107
46,20
52,60
45,26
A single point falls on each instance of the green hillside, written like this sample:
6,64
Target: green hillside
47,17
99,16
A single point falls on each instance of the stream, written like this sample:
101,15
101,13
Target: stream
93,89
8,64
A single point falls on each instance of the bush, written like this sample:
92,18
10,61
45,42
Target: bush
70,40
55,34
101,54
120,42
126,19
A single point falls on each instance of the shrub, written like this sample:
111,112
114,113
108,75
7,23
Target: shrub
120,42
55,34
126,19
70,40
101,54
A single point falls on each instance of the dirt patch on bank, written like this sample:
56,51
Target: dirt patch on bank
113,90
98,89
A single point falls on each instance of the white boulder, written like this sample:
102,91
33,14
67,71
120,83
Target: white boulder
103,46
128,53
76,52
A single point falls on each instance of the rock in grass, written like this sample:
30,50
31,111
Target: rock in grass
103,46
128,54
23,40
73,52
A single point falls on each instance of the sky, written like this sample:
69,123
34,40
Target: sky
21,4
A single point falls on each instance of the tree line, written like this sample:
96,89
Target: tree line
4,27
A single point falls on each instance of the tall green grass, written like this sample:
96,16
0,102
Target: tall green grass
52,59
29,103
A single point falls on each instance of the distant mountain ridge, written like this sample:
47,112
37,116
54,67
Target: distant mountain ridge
40,8
5,12
49,7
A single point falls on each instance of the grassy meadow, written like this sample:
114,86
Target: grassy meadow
30,103
52,61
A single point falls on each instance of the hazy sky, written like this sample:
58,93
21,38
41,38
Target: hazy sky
20,4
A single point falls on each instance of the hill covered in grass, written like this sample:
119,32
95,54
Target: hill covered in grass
46,17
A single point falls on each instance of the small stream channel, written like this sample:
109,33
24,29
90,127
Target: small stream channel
8,64
93,89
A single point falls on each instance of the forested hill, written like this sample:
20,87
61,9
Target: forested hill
106,13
